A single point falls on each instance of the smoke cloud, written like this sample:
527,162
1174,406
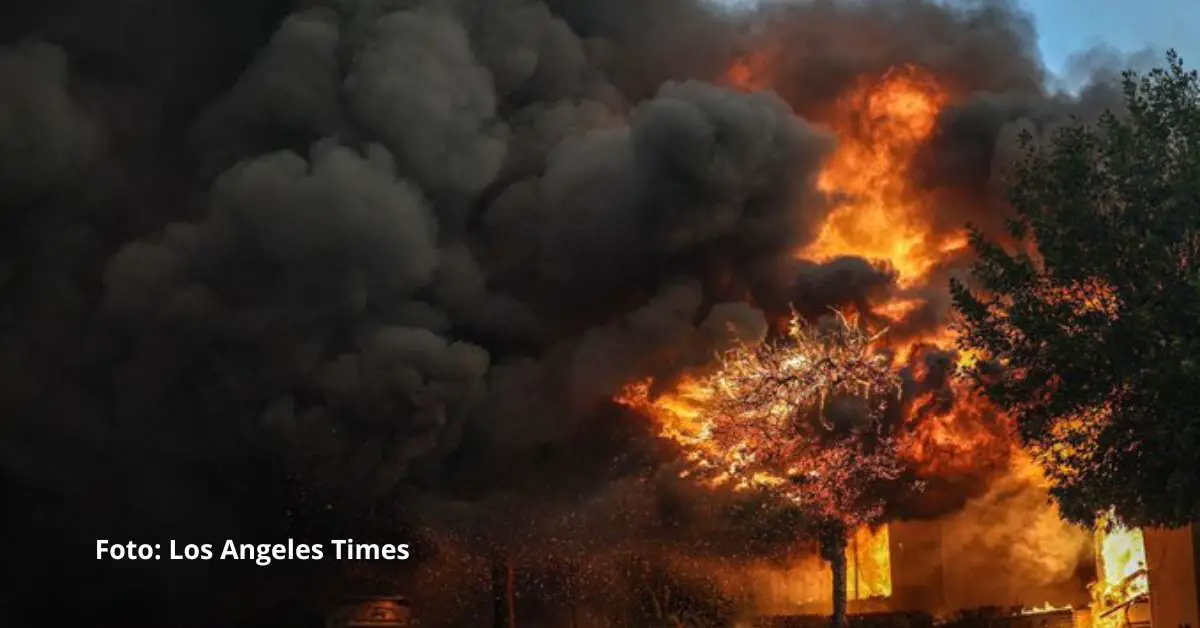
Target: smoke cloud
374,267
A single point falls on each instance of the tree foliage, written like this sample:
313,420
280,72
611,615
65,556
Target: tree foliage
1090,315
801,418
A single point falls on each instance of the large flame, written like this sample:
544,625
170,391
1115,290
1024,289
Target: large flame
869,560
880,215
881,126
1121,560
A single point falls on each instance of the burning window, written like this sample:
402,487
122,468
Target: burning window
1120,563
869,561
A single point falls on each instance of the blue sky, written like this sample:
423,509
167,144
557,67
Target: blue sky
1066,27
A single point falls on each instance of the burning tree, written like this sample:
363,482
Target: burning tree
801,418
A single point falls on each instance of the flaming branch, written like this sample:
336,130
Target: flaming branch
799,418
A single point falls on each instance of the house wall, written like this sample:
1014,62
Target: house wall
1171,560
918,567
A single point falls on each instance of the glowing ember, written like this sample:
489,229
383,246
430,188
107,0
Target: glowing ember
880,128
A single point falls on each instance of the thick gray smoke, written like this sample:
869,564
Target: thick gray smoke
308,268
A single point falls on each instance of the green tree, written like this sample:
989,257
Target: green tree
1090,314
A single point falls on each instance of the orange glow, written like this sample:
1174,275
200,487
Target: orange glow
741,433
1076,439
880,128
1121,561
869,564
880,214
881,217
1045,608
806,582
750,73
748,426
948,443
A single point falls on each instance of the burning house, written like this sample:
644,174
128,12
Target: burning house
1143,578
455,271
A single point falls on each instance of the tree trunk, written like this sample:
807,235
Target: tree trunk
504,612
834,549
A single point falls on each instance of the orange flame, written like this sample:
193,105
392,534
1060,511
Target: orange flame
881,215
869,561
881,127
1121,558
739,424
1045,608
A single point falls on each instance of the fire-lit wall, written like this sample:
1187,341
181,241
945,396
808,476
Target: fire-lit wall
936,569
1171,557
918,572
